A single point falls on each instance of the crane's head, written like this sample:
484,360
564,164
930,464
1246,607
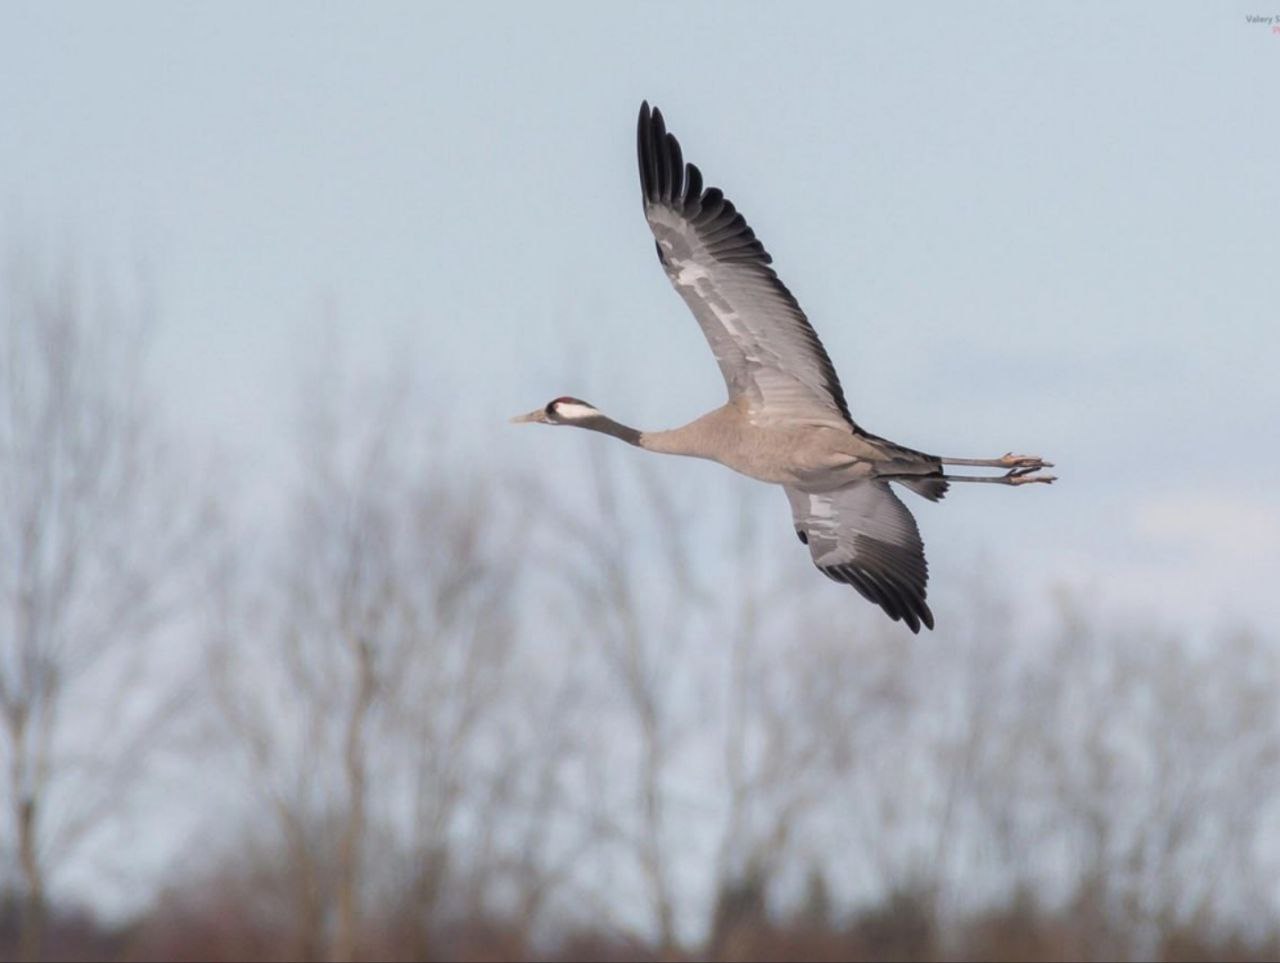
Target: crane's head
561,411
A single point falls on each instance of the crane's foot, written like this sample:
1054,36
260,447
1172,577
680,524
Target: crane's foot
1033,462
1026,476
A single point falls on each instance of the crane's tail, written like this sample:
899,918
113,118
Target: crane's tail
926,486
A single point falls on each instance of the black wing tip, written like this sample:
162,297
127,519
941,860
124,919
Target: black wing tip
925,616
907,607
650,114
914,617
918,615
665,178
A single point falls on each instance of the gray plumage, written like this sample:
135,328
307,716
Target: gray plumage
786,420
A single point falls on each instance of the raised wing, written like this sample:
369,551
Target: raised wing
864,536
767,350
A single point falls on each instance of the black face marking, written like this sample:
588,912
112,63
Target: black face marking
804,538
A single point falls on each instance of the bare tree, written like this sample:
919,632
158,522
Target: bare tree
1160,755
386,615
94,535
634,595
712,706
788,699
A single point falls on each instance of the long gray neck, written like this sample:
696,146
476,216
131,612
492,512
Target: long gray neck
608,426
678,441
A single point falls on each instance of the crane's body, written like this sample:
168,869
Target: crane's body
811,457
786,421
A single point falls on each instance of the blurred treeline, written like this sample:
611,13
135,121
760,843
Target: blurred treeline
428,702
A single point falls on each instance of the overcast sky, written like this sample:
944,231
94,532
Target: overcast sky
1050,228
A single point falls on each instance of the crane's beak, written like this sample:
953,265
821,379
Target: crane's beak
538,415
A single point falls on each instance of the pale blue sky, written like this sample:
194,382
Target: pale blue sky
1049,228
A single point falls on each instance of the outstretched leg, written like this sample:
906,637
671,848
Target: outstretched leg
1008,460
1014,476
